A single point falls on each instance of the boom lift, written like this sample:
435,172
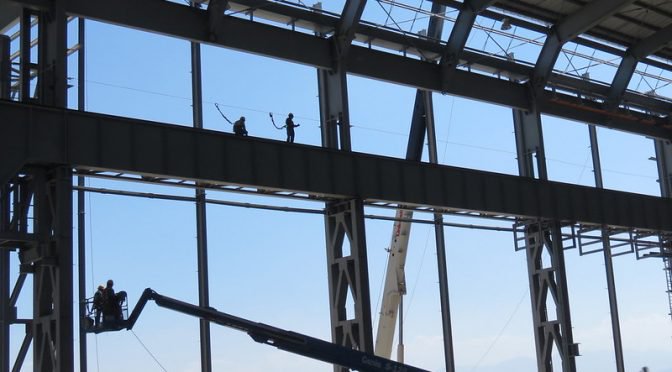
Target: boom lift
284,340
395,286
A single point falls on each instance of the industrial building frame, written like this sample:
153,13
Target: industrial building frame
44,145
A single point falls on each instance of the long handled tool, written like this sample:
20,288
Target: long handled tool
224,116
273,121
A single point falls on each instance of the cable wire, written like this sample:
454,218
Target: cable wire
501,331
149,352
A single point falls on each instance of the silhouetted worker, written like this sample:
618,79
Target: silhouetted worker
239,127
289,124
112,303
98,302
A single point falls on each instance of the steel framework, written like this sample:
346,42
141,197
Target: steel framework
41,143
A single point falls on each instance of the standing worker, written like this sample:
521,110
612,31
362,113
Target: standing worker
98,302
289,124
239,127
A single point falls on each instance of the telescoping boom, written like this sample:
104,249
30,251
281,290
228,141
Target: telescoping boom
284,340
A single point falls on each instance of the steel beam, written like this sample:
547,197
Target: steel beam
577,23
608,263
458,37
347,25
636,53
348,276
95,141
318,52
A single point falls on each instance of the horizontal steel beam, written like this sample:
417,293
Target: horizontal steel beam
156,15
95,141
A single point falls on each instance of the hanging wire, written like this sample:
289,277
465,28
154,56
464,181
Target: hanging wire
149,352
380,290
501,331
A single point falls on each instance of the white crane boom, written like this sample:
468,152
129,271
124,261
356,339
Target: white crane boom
395,284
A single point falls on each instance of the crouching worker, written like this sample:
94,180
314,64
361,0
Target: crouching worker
239,127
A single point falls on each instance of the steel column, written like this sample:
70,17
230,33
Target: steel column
52,45
530,144
664,162
448,351
608,264
26,64
81,202
5,307
334,112
544,236
51,263
201,222
348,276
5,67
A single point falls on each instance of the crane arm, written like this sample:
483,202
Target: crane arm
395,284
282,339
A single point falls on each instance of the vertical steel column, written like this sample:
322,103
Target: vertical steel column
201,222
542,236
530,143
5,313
51,262
334,111
664,162
26,64
348,274
448,351
608,264
52,45
81,202
5,67
52,259
5,309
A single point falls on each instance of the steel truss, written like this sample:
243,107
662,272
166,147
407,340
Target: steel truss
348,275
37,222
552,327
65,138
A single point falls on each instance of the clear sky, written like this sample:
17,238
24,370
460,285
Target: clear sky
270,266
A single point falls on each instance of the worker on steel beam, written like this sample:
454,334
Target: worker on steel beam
289,124
239,127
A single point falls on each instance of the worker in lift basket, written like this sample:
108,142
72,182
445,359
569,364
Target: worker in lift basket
112,304
98,302
239,127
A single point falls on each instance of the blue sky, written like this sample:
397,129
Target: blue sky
270,266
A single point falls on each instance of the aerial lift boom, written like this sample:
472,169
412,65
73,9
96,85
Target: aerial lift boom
285,340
